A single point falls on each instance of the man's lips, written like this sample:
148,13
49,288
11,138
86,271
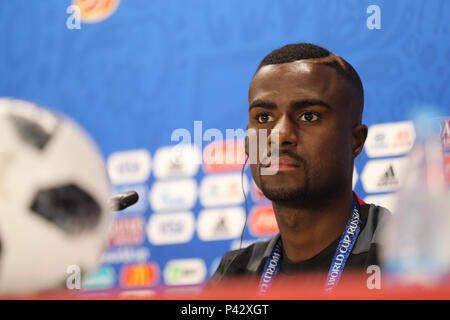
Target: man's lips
282,164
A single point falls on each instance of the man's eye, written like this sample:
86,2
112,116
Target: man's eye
309,117
263,118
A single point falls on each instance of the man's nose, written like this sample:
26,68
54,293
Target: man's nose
285,129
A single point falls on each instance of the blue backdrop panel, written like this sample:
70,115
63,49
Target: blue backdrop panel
154,66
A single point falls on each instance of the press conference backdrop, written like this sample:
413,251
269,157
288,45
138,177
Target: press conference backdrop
134,71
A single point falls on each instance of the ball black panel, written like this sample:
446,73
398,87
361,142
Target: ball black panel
31,132
68,207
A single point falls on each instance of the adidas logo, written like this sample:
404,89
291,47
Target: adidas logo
388,178
221,226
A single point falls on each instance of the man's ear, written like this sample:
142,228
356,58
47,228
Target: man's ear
358,138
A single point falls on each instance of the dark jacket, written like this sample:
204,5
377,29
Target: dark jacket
250,261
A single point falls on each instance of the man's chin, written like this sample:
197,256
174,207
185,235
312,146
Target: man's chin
284,194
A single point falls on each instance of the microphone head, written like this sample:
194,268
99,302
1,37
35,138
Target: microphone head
123,200
128,199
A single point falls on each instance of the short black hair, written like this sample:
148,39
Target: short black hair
294,52
317,54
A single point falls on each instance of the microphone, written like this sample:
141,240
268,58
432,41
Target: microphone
123,200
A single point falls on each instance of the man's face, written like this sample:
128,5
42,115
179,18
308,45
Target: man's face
311,107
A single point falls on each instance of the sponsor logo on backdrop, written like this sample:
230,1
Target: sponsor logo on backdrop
445,133
141,205
92,11
139,275
224,156
173,195
222,189
127,231
170,228
126,255
262,221
383,175
257,194
128,167
176,161
185,272
103,278
388,201
220,224
390,139
388,178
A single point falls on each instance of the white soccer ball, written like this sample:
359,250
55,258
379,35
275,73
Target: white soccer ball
53,199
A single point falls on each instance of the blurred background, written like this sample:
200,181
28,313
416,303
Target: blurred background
133,71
